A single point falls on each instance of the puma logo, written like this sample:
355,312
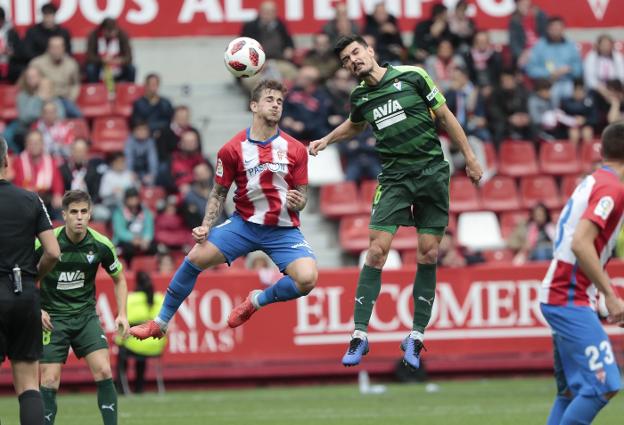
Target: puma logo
430,302
110,407
359,300
48,417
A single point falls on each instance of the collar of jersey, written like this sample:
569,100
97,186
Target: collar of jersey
262,142
608,169
388,69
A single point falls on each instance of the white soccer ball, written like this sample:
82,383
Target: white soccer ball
244,57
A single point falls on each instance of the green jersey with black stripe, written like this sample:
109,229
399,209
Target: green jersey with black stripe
399,110
69,289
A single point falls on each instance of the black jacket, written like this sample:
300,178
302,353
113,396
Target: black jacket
36,39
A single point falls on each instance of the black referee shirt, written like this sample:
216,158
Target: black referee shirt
22,217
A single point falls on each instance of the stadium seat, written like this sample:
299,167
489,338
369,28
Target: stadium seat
79,127
500,194
539,189
150,196
464,195
326,168
393,262
479,231
93,100
517,158
109,134
590,155
498,255
125,95
146,263
509,220
100,227
367,193
568,184
353,233
8,102
339,199
452,224
559,158
405,238
491,158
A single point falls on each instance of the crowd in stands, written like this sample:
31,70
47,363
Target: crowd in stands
141,159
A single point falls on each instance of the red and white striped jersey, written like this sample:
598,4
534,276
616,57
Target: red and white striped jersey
263,173
600,199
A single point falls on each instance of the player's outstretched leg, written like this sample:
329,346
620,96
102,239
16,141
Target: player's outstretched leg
299,281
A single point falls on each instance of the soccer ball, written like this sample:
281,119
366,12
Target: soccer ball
244,57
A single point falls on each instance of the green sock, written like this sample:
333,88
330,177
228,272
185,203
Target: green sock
48,396
424,294
368,287
107,401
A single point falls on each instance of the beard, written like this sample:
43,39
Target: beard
363,72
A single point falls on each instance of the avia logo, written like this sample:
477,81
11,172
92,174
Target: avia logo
388,114
598,7
70,280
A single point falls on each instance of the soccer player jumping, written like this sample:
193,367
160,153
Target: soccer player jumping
400,103
586,373
270,170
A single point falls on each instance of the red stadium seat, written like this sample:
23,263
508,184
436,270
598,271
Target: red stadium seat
591,155
464,195
79,127
452,225
125,95
500,194
584,47
93,100
353,233
151,195
109,134
568,184
339,199
367,193
8,102
509,220
100,227
559,158
146,263
539,189
498,255
491,158
405,238
517,158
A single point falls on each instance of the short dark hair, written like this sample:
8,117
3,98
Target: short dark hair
131,192
613,142
263,85
139,123
48,8
541,84
345,40
72,196
438,9
2,14
152,75
554,19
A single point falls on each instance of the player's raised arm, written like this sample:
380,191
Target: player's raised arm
345,131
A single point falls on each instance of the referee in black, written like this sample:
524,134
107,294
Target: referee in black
23,217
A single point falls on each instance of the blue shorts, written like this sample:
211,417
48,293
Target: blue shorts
584,359
236,237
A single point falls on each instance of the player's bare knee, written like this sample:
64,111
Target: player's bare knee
610,395
51,381
306,281
428,256
376,256
102,372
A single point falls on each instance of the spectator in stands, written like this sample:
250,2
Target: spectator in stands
306,107
63,71
533,240
109,55
58,134
615,98
171,231
361,159
195,200
603,64
341,25
384,27
465,101
37,171
322,56
133,227
339,88
261,263
441,65
81,173
184,161
116,181
550,121
169,138
527,25
461,26
508,110
581,107
141,154
37,38
11,60
429,33
152,107
556,58
484,63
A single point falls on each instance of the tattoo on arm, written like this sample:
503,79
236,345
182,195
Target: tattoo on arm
214,206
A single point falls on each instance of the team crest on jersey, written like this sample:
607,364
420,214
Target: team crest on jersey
70,280
604,207
397,85
219,170
601,375
281,155
90,257
388,114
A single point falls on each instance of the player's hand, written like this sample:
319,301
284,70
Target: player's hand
295,200
46,322
317,146
615,307
474,171
200,233
121,323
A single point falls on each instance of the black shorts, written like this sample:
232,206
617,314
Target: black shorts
20,322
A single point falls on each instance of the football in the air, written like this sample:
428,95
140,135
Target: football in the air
244,57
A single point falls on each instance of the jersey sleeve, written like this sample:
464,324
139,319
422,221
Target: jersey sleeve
42,219
427,89
356,113
602,202
300,167
225,170
110,262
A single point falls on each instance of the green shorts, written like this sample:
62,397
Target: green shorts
82,332
418,199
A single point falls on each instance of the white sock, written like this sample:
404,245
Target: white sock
360,334
254,298
163,325
417,335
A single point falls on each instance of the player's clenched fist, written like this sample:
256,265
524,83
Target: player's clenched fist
296,200
474,171
317,146
615,307
200,233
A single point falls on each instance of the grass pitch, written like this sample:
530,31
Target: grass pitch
467,402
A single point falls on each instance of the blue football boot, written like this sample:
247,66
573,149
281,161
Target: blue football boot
358,347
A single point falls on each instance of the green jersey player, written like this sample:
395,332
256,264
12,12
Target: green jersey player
401,103
68,311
